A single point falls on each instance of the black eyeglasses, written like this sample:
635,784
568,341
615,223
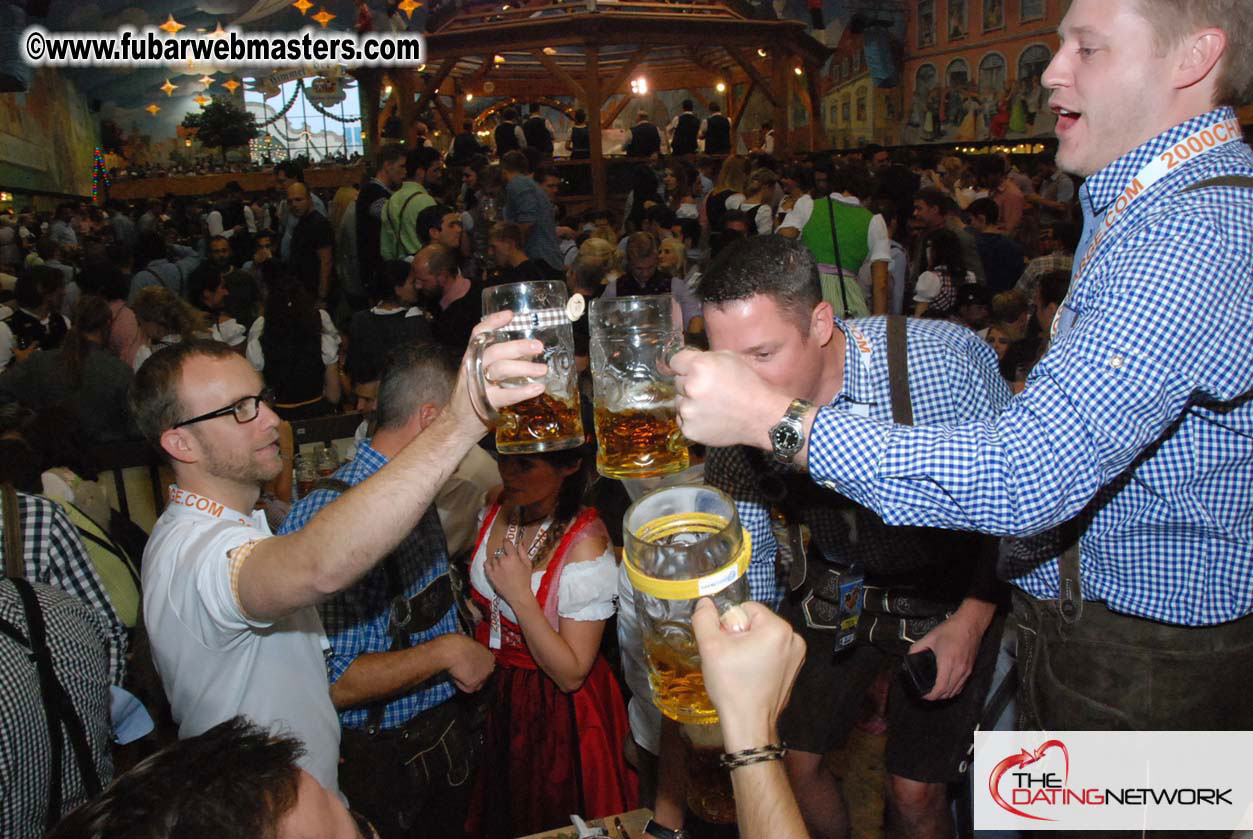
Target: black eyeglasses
244,410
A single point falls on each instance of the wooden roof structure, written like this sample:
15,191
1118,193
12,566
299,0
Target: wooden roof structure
591,49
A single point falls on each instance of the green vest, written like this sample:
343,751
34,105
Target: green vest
118,574
851,224
398,236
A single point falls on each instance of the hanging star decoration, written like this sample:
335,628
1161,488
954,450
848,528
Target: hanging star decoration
201,100
324,17
153,108
303,5
408,7
171,26
206,80
218,33
230,85
169,88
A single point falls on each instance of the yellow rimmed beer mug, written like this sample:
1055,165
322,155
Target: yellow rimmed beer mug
637,429
553,420
682,544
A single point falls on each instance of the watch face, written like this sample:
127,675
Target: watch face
785,438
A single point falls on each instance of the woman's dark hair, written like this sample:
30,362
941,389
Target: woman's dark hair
946,251
36,283
683,186
580,115
393,275
574,487
92,316
151,245
57,435
643,188
291,312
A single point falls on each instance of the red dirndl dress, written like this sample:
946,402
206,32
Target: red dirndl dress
547,754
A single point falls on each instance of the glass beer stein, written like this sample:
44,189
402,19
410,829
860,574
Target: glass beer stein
637,430
682,543
553,420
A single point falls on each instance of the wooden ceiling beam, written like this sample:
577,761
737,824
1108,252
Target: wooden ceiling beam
560,72
751,72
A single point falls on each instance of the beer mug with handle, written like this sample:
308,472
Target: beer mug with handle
637,429
681,544
553,420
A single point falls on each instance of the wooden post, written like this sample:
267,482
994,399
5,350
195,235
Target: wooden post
405,81
782,69
369,87
814,90
600,180
458,107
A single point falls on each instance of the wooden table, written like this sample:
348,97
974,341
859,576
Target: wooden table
633,821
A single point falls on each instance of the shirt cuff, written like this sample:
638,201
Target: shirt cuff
845,452
238,557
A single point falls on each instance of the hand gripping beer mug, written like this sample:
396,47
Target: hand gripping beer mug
682,543
552,420
637,429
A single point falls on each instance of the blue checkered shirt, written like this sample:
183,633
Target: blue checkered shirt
356,619
1138,423
953,378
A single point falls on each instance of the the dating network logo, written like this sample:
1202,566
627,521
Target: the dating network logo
1027,788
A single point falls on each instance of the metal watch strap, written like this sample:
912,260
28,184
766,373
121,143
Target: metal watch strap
793,419
659,832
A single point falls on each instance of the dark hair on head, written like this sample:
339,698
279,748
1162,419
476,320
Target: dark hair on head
431,217
580,115
154,401
802,175
423,157
687,104
291,313
92,316
46,247
986,208
291,170
467,125
852,178
714,107
394,274
515,161
783,269
413,374
573,490
36,283
690,228
661,215
236,780
934,198
200,282
946,252
543,172
1053,287
149,247
509,114
15,419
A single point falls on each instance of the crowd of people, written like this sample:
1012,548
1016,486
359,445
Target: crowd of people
915,376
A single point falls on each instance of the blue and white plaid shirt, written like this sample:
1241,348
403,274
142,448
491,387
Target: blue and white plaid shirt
356,619
1138,421
953,378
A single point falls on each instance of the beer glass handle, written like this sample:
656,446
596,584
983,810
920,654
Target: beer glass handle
476,379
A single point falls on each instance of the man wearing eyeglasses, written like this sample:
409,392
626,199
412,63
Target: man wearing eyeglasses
229,607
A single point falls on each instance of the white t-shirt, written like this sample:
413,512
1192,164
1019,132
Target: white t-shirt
214,661
761,212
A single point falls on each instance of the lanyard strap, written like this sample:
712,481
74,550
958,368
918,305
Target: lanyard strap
1199,142
511,535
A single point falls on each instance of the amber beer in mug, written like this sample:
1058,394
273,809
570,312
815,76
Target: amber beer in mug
637,427
682,543
553,420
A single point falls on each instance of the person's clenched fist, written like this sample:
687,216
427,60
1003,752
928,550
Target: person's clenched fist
722,401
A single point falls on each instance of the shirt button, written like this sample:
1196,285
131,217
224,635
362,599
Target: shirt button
1116,361
829,484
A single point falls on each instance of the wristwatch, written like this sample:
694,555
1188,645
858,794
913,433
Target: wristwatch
787,436
658,832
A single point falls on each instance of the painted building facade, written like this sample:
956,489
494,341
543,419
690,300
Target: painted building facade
972,69
855,110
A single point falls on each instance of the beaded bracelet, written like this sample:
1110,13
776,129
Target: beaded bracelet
747,757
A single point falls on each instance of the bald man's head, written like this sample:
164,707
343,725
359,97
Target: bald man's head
297,199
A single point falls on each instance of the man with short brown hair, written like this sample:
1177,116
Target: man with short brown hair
230,608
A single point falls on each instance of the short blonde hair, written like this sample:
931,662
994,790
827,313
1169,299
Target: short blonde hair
675,247
1174,20
598,251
